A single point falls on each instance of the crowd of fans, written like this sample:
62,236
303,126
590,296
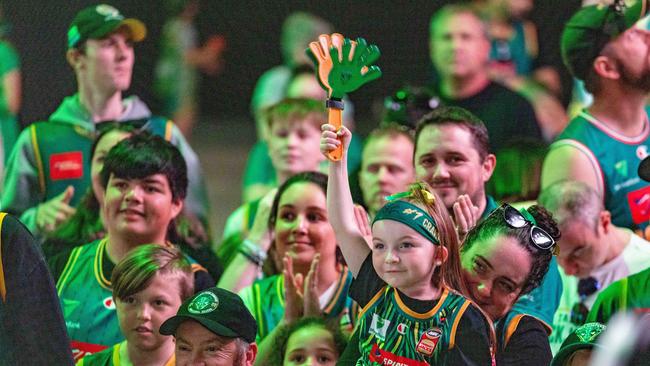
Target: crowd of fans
475,225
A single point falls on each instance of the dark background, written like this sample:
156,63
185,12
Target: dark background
252,30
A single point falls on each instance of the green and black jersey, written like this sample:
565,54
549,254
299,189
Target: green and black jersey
397,330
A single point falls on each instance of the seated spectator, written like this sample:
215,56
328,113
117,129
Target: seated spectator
501,264
294,128
32,330
517,176
577,348
213,328
144,179
309,341
260,175
35,186
386,165
627,294
86,225
409,277
149,286
464,79
298,29
301,229
10,92
593,252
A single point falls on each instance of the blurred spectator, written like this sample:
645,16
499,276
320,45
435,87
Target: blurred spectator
460,50
298,29
513,61
593,252
625,342
604,144
181,59
260,175
578,348
516,177
10,92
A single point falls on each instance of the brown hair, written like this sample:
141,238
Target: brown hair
296,109
448,273
456,116
135,272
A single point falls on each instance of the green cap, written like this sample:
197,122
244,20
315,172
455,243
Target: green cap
97,21
220,311
592,27
584,337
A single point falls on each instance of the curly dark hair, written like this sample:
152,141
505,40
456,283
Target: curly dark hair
282,339
494,225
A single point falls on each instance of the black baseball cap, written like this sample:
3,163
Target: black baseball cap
220,311
97,21
584,337
589,30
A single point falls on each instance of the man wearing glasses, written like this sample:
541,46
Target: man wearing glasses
607,48
593,252
49,169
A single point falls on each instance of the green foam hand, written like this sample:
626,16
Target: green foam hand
344,65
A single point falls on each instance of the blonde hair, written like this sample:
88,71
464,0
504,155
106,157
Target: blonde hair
135,272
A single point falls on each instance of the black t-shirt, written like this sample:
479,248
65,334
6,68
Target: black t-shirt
32,330
202,279
507,115
473,334
528,345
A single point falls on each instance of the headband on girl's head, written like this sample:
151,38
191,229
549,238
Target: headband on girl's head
411,216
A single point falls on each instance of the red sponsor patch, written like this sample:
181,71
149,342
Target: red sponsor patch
81,349
66,165
429,341
639,202
386,358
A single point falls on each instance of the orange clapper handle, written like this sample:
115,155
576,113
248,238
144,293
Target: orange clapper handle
334,118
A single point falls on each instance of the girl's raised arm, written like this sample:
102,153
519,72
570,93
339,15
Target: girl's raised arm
340,207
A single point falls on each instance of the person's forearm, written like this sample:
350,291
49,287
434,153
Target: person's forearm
240,273
340,209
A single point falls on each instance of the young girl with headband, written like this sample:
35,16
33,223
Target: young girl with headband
408,283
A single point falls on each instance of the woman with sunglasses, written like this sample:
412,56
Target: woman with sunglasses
504,258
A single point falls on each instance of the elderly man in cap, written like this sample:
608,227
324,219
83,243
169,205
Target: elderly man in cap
49,170
213,328
609,49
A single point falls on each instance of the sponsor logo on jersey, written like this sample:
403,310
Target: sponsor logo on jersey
642,152
621,167
382,357
109,303
379,326
639,203
429,341
81,349
67,165
402,328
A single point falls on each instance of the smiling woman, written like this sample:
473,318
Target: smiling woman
505,257
301,228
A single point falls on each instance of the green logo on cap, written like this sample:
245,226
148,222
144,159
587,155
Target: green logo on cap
204,303
589,331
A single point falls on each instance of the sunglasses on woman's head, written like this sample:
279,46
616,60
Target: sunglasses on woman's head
538,236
